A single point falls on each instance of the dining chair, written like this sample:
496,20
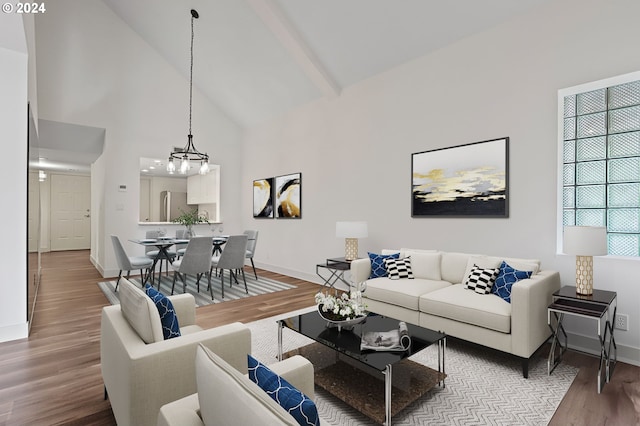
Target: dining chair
181,234
153,252
127,263
252,240
231,258
196,261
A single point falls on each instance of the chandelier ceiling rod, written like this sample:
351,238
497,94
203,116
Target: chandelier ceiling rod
189,152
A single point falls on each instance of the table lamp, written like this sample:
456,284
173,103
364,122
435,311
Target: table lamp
351,231
585,242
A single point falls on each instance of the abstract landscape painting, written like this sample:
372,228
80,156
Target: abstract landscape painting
462,181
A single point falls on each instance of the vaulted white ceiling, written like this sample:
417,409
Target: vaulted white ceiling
256,59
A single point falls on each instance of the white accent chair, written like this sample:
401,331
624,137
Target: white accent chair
127,263
141,370
226,396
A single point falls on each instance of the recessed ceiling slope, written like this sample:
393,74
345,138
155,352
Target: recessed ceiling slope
357,39
239,64
255,59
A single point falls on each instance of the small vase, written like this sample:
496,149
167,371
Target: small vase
189,233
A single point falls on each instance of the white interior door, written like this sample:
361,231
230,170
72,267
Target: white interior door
70,212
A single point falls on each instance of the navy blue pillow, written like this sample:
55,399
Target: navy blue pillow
168,318
296,403
378,267
507,277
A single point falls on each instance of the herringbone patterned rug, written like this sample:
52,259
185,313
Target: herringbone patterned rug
483,387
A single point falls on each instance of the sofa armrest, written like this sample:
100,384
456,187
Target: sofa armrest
183,412
298,371
529,302
185,307
360,270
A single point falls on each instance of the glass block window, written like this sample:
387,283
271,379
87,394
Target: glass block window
601,164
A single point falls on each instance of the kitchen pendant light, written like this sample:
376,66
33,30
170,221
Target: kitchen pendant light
189,153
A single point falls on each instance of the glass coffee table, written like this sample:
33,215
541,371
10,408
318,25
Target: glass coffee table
344,347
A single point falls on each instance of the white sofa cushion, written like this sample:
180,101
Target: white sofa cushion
453,266
405,293
460,304
425,264
228,397
140,312
404,251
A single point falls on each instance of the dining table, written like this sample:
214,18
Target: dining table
162,244
218,242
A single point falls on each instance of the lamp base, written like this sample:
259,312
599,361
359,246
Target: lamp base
584,275
350,248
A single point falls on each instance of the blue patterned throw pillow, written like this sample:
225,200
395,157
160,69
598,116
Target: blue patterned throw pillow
168,318
291,399
378,267
507,277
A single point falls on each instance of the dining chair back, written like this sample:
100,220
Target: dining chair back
232,258
252,240
196,261
181,234
127,263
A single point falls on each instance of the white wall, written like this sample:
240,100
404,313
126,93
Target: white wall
94,70
13,136
354,152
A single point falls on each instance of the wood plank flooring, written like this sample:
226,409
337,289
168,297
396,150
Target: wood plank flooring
54,378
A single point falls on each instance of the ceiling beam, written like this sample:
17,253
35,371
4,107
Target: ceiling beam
282,28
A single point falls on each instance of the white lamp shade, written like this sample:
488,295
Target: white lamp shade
585,240
351,229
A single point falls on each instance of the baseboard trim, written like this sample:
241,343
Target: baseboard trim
14,332
587,344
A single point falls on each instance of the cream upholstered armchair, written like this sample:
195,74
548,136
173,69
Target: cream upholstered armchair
141,370
242,402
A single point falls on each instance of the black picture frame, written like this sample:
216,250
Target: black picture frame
288,196
470,180
263,198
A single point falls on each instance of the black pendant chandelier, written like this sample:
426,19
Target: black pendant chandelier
189,152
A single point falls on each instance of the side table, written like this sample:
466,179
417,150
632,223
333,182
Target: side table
598,307
333,270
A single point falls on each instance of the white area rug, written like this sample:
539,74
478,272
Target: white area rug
483,387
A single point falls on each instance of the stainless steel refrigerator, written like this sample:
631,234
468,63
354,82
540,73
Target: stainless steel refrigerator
172,205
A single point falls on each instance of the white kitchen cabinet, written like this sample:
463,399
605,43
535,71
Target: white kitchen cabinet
204,189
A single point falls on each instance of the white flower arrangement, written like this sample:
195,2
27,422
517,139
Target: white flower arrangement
344,307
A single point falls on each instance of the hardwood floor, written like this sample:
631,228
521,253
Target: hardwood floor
54,377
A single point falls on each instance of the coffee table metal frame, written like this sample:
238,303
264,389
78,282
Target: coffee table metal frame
316,328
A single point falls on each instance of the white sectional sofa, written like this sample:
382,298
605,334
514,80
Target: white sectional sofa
436,298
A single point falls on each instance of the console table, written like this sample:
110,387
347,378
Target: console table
597,307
